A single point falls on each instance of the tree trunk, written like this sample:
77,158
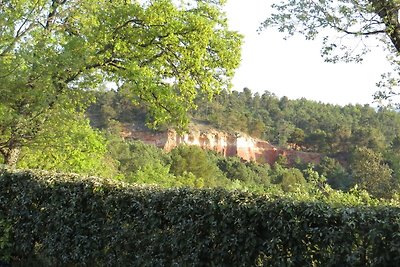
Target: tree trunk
11,157
388,11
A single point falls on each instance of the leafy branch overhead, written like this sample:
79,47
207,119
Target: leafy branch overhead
354,19
52,52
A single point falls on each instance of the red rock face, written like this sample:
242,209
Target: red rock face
227,144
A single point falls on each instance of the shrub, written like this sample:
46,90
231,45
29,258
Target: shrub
79,221
5,242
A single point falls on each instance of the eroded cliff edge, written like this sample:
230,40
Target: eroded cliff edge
227,144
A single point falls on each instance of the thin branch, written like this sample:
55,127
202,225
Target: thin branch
358,32
161,105
19,34
16,39
126,23
51,15
152,59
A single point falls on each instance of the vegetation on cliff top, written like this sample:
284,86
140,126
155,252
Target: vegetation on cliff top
350,137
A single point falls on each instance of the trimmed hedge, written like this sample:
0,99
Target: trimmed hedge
60,220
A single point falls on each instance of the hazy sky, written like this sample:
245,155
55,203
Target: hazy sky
294,67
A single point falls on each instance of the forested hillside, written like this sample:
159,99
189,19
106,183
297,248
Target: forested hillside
312,126
359,143
360,138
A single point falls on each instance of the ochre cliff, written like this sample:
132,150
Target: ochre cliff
227,144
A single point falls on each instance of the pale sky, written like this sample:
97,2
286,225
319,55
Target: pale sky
294,68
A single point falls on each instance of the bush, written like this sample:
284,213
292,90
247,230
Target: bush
194,160
77,221
5,242
247,172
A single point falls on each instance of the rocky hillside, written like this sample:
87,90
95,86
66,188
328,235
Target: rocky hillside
227,144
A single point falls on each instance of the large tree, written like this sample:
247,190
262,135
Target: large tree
357,19
371,173
53,51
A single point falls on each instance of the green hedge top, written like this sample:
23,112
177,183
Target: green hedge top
70,220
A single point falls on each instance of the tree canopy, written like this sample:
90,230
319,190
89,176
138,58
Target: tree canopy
371,173
53,51
357,19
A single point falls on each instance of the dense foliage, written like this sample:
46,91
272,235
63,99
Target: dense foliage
75,221
161,52
58,60
185,166
339,133
311,125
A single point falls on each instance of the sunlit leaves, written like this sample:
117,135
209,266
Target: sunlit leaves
161,51
71,146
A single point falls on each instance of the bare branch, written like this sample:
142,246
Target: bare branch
16,39
20,32
358,32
